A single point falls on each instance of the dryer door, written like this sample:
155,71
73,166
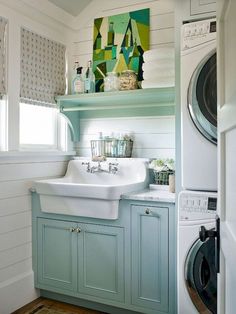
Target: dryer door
201,276
202,97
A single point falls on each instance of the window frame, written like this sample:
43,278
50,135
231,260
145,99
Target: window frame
60,143
10,146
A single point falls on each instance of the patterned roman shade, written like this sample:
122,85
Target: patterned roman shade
3,24
42,69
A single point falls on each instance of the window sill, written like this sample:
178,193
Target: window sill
35,156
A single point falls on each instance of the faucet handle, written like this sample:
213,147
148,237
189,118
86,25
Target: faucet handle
86,163
113,167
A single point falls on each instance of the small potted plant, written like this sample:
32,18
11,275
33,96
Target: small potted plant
162,168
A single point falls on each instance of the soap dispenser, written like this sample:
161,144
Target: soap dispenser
78,82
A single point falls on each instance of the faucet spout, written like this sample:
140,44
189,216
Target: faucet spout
112,167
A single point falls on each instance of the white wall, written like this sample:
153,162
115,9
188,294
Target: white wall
16,176
153,136
150,138
161,24
17,171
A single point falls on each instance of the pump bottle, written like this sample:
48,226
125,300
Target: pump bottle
78,82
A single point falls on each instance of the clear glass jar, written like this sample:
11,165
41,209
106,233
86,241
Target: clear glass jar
111,82
128,80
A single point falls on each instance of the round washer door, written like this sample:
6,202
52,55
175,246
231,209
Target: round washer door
201,276
202,97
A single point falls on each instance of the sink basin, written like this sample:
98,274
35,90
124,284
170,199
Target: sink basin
86,194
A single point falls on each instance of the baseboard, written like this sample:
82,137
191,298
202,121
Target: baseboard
86,304
17,292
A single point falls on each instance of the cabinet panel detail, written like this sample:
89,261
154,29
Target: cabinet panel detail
150,257
57,259
101,261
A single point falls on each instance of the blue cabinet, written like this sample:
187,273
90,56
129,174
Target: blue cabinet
57,259
150,250
79,257
101,261
114,266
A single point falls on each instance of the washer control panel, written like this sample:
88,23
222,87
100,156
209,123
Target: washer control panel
197,33
197,205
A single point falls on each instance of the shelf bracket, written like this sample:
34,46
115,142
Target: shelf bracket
73,120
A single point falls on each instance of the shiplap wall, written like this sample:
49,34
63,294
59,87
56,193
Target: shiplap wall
153,136
16,276
18,170
161,24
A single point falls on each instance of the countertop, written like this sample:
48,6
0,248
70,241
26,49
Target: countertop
153,195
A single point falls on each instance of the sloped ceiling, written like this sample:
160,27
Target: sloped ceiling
73,7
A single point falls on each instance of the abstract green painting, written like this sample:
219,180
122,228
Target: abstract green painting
119,42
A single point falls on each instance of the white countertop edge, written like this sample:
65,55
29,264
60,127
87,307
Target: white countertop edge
150,195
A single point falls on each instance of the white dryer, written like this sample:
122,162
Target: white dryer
199,106
196,261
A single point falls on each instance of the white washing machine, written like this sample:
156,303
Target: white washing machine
196,268
199,106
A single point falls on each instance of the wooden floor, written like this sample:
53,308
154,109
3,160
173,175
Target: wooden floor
54,305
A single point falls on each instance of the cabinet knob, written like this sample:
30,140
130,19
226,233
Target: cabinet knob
78,230
147,211
72,229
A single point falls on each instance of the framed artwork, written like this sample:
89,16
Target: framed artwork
119,42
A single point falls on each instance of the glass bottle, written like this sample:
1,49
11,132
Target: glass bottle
74,74
111,82
78,82
89,81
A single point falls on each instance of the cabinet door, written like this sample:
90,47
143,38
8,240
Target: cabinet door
150,263
202,6
57,259
101,261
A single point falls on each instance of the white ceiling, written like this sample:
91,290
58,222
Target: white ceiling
73,7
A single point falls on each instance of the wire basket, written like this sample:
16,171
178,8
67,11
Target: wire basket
162,177
112,148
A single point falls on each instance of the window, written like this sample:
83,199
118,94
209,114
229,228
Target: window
42,78
47,128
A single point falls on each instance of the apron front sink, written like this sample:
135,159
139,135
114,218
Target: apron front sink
89,191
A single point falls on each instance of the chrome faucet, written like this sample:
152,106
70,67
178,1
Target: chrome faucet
112,167
87,163
97,168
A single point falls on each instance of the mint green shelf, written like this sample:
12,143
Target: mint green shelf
73,106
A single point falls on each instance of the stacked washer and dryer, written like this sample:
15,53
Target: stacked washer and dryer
197,273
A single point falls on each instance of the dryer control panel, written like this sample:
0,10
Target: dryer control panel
198,33
197,205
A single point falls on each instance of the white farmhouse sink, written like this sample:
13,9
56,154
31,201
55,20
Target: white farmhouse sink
82,193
